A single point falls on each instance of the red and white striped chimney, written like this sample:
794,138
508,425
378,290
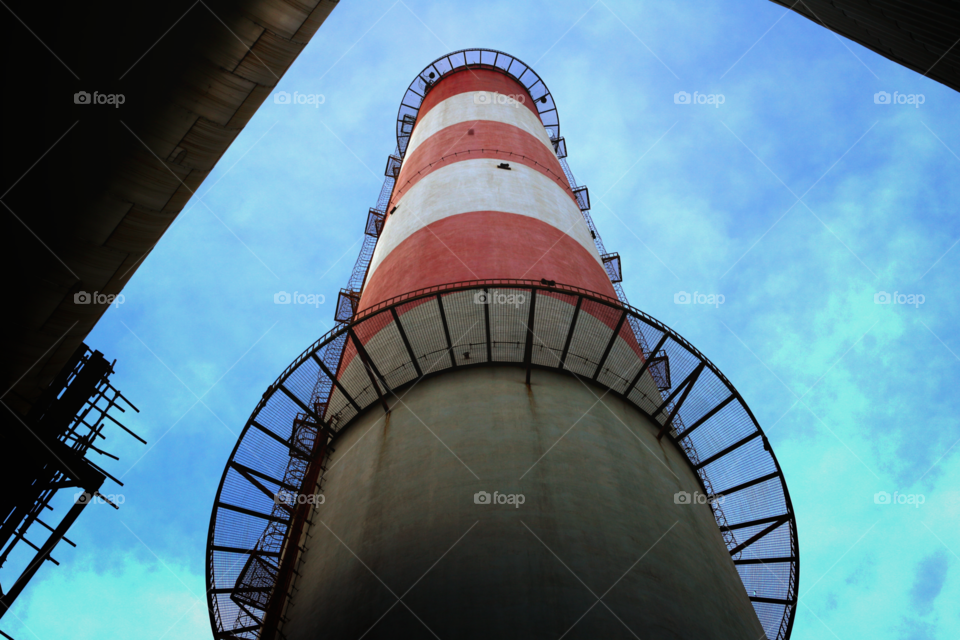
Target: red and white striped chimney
486,269
481,195
445,467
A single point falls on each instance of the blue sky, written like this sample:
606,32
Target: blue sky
798,199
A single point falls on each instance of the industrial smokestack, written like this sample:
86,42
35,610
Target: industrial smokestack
493,443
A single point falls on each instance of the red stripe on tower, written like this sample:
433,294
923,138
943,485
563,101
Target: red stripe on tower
479,139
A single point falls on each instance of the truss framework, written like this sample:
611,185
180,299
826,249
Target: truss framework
47,451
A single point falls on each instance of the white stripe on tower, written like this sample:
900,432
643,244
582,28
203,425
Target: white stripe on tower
464,107
478,185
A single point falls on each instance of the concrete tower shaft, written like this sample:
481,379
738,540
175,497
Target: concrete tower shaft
398,499
481,195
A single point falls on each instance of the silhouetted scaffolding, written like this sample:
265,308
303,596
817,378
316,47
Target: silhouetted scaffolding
47,451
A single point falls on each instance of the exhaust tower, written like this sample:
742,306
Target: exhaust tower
492,442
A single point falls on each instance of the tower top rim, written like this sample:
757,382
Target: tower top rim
475,58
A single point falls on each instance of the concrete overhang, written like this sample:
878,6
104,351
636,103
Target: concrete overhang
922,35
90,188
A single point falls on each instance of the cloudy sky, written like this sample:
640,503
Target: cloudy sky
799,199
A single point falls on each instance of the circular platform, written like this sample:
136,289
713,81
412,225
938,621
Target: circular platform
474,59
535,325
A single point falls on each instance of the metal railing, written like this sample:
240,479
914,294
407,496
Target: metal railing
567,330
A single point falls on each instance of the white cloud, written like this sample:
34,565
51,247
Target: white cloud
112,594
